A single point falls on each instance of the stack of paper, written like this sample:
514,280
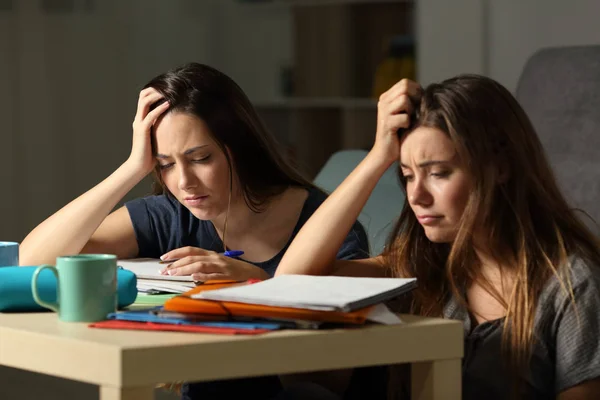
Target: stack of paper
150,280
322,293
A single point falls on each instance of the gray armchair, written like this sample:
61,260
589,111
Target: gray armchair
560,91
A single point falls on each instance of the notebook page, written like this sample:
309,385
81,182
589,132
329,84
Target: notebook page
149,268
312,292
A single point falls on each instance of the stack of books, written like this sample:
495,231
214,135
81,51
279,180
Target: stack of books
284,302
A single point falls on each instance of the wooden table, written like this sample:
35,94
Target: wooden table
128,364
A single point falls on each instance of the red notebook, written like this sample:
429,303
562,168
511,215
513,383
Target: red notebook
151,326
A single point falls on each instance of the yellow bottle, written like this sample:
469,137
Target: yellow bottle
398,64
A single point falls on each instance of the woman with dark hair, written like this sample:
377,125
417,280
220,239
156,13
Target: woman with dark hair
486,232
221,185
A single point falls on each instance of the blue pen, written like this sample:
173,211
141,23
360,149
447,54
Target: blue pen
233,253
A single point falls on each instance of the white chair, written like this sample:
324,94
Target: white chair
384,205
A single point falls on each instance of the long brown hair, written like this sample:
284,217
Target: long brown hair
253,154
529,227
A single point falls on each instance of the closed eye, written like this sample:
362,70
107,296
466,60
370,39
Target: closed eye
443,174
201,160
165,166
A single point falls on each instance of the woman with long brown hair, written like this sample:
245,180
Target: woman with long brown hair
222,184
486,232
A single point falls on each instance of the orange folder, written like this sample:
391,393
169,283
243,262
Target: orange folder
186,304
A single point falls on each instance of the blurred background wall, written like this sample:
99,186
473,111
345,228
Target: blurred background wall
70,71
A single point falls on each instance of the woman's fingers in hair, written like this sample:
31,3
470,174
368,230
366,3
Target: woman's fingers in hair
147,91
403,87
141,157
147,97
397,121
154,114
393,112
400,104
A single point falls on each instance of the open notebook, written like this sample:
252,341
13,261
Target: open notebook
323,293
150,280
149,268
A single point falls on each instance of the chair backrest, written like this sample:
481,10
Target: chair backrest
560,91
384,205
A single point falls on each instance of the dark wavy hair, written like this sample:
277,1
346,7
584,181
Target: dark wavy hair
254,156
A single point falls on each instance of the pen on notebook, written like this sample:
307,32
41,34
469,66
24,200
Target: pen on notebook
228,253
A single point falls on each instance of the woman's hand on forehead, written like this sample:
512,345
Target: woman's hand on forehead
394,113
141,156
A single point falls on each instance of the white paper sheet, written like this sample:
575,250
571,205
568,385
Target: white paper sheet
149,268
314,292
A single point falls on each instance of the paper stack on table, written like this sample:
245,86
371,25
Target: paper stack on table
284,302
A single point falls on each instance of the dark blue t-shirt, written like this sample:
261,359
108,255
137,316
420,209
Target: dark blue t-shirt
161,224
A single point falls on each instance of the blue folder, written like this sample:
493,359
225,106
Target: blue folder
150,315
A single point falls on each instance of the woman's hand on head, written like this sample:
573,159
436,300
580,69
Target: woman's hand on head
204,265
394,110
141,149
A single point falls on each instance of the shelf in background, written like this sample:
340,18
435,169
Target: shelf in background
311,129
338,48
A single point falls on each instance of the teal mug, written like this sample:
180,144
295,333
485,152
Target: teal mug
86,288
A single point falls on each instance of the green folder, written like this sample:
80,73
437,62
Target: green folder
145,300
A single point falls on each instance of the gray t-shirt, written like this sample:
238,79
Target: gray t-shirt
567,349
161,224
